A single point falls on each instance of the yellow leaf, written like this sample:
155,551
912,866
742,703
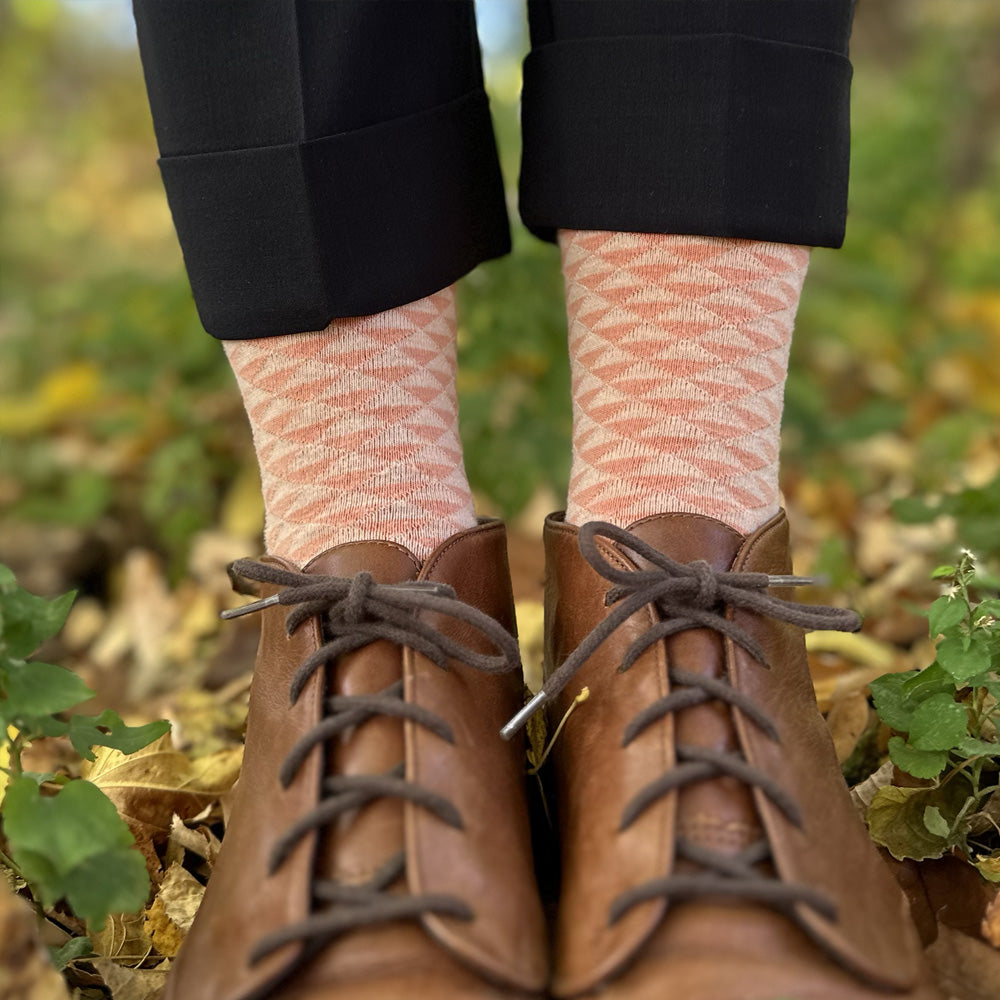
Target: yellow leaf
122,939
72,389
150,786
853,646
5,761
166,936
242,513
991,922
181,895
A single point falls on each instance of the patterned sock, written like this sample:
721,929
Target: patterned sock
679,353
356,430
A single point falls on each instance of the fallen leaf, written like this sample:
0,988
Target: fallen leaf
863,793
848,719
199,841
166,936
133,984
181,895
123,939
965,967
853,646
149,787
896,818
989,868
25,970
531,637
991,922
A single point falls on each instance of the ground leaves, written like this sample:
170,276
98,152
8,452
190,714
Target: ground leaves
74,846
149,787
897,818
26,972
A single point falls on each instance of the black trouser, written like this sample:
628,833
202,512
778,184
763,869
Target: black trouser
328,158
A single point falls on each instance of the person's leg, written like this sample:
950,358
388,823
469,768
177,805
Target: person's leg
326,161
331,170
679,354
684,150
684,155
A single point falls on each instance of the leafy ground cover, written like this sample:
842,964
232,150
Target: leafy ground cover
126,471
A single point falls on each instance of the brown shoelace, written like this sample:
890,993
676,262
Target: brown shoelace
689,596
355,612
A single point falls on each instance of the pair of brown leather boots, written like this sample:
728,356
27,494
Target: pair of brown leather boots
380,843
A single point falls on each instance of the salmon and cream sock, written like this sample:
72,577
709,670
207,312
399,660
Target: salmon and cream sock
356,431
679,354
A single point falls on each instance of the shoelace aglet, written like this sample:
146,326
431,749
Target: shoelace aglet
519,720
786,580
249,609
428,586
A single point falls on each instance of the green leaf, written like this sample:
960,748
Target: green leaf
74,948
919,763
988,608
7,579
961,662
935,823
970,747
108,730
939,723
34,689
29,620
913,510
896,818
891,703
929,681
945,613
74,846
942,572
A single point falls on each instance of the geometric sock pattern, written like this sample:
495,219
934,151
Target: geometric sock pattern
356,430
679,355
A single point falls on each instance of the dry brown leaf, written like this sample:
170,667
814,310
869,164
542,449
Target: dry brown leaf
151,614
133,984
848,720
149,787
25,970
991,922
199,841
123,939
863,794
963,966
181,895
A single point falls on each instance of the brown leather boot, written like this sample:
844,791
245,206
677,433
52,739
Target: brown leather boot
379,843
709,847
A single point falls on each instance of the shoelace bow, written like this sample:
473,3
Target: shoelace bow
354,612
689,596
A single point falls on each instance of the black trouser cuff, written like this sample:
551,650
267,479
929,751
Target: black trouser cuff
713,135
283,239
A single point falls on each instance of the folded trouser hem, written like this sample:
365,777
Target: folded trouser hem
713,135
282,239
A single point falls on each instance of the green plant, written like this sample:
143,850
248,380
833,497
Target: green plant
62,836
946,720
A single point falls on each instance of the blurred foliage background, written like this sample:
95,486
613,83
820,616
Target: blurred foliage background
120,425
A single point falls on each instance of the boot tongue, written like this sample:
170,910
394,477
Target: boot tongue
362,841
718,813
688,537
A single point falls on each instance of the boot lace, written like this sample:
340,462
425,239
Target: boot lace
689,596
355,612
